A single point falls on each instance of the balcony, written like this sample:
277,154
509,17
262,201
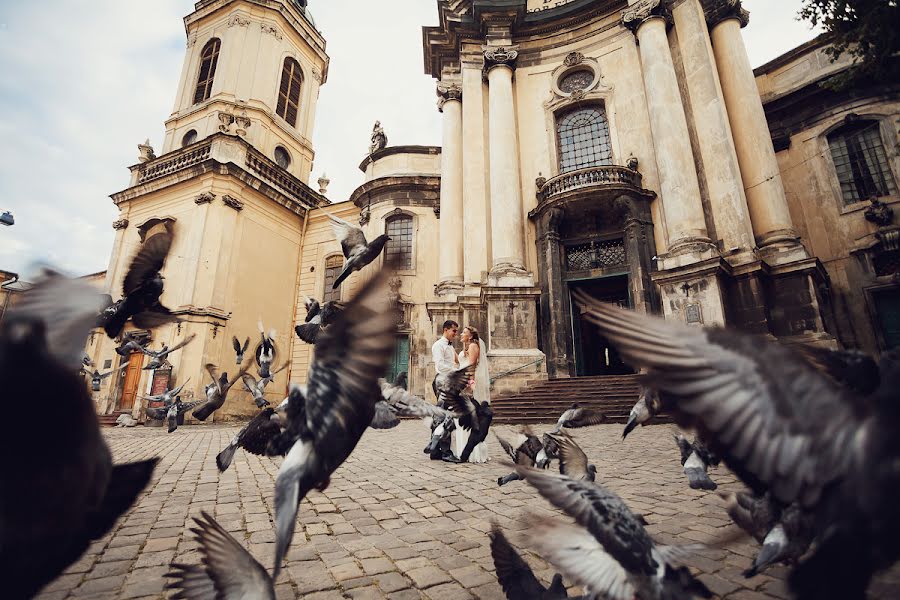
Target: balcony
612,177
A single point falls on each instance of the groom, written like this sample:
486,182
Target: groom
445,359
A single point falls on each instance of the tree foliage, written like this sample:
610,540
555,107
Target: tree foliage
868,30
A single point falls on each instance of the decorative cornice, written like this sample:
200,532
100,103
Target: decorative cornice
500,56
271,30
233,202
637,14
120,223
717,11
204,198
237,19
447,92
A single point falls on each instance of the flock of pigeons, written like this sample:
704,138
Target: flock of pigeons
816,444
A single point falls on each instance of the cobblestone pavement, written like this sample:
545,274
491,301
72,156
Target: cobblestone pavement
394,524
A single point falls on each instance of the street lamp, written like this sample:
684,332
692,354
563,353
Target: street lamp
7,219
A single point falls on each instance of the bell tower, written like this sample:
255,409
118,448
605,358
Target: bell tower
253,69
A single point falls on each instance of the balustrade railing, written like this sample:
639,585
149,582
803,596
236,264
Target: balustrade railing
162,167
269,171
589,177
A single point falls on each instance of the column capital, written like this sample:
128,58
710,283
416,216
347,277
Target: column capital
447,91
499,56
639,13
717,11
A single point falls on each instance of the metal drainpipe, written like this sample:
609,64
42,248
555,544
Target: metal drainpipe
15,278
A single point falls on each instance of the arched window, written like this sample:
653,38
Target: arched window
282,157
208,60
333,266
400,246
583,138
860,161
189,138
289,91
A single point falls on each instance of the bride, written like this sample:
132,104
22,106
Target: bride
480,388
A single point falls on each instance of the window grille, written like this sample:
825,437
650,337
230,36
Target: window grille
400,246
861,162
583,137
595,255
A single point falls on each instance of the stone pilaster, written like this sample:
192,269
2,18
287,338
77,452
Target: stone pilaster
554,303
476,206
450,269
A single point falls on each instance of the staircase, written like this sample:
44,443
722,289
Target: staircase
544,401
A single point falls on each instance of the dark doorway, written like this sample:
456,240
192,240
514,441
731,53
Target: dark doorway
593,354
887,308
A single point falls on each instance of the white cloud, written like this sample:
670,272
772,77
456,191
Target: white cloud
96,78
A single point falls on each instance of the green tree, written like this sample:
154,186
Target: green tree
868,30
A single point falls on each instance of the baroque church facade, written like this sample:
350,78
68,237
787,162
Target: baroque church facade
624,149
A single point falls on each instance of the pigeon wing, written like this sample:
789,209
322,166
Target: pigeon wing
186,406
149,260
350,236
259,431
308,332
157,413
409,405
573,461
507,447
385,416
236,343
239,375
515,576
213,371
181,344
777,423
585,417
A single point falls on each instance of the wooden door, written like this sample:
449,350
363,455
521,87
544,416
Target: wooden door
132,379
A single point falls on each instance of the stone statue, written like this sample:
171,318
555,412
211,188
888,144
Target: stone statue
379,139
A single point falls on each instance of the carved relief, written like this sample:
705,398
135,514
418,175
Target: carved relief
499,57
879,213
271,30
120,224
447,92
573,58
364,215
204,198
317,74
242,123
237,19
233,202
635,15
719,10
225,121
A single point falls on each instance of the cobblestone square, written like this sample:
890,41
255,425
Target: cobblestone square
394,524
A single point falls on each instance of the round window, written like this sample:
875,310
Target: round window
282,158
576,80
189,138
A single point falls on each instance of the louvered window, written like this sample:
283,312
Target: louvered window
333,266
289,91
861,162
208,61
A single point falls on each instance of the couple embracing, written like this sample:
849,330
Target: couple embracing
446,360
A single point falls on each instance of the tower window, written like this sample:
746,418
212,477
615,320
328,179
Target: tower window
189,138
400,246
208,60
289,91
282,158
333,266
860,161
583,138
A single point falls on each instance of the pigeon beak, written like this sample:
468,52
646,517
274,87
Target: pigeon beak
632,423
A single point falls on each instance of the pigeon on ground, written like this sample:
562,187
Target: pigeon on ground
441,431
397,402
325,423
578,417
265,351
217,391
573,462
172,411
129,345
609,551
257,388
781,426
126,420
141,289
696,458
317,319
97,377
647,407
158,357
254,437
57,497
239,350
548,452
227,570
357,251
523,450
516,577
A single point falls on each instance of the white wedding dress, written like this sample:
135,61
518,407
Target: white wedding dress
482,393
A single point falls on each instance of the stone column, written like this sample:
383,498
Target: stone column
720,165
761,176
450,265
680,190
476,209
554,302
637,224
507,220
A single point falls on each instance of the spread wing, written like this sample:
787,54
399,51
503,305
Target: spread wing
240,374
515,576
385,416
111,371
776,422
584,417
149,259
181,344
507,447
157,413
572,460
409,405
185,407
450,387
236,344
350,236
213,371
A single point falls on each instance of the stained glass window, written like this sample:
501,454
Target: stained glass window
399,248
576,80
861,162
583,136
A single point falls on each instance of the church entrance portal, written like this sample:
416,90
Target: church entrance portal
593,354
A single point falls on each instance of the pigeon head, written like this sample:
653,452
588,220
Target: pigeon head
678,583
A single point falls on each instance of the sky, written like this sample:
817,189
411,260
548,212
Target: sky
82,82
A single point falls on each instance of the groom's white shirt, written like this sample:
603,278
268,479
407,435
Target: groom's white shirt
443,354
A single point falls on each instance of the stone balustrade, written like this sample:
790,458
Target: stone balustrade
606,175
174,161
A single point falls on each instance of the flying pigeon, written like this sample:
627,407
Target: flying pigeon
265,351
167,397
450,395
781,426
577,416
254,437
397,402
317,319
573,462
325,423
257,388
523,451
548,452
141,289
227,571
647,407
129,344
97,376
239,350
696,458
217,390
357,251
158,357
55,498
86,361
439,445
172,411
516,577
402,380
609,550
